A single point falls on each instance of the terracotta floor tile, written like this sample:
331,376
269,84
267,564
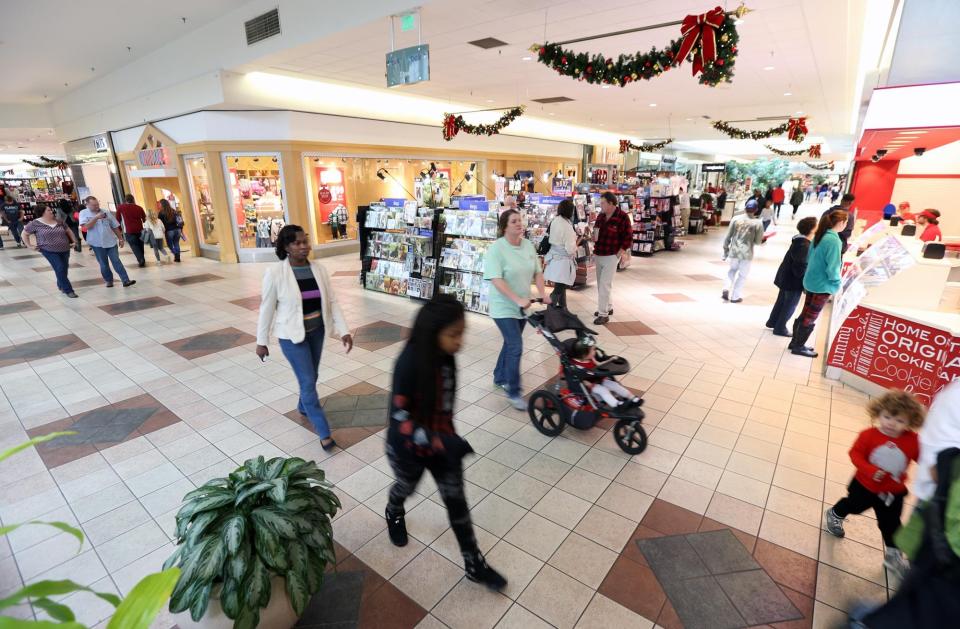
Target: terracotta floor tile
45,348
670,519
804,604
668,618
389,607
250,303
787,568
672,297
210,342
188,280
632,551
635,587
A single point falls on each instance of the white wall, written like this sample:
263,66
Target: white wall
941,192
941,160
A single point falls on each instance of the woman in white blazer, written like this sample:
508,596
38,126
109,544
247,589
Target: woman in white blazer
561,260
298,301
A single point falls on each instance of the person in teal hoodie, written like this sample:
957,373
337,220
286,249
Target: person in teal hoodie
821,280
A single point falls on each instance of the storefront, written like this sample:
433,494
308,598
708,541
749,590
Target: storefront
93,170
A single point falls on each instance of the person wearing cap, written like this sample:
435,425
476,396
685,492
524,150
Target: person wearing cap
746,231
929,219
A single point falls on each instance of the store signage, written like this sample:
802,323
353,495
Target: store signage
332,192
562,187
394,202
100,144
717,167
668,163
153,158
325,195
896,353
408,65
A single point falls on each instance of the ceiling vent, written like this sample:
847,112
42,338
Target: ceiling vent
553,99
487,43
262,27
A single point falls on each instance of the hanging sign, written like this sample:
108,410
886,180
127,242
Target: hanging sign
332,191
562,187
717,167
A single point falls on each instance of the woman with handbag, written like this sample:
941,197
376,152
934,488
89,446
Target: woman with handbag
172,222
52,238
153,234
560,253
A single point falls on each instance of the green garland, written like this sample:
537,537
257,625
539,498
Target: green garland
743,134
820,165
785,153
46,162
596,68
627,145
454,124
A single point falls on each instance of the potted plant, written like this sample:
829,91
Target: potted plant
245,539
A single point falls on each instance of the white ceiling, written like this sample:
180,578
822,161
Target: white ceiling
813,46
29,142
50,47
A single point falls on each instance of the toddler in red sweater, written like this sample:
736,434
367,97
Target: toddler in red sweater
614,394
881,455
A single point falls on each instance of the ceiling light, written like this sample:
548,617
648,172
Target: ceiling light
653,104
526,58
552,114
911,133
604,87
768,68
788,93
688,118
799,112
489,100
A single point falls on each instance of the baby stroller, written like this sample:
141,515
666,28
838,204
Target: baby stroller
570,400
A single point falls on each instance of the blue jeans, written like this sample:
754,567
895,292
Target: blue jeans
16,228
60,261
783,309
107,256
507,371
173,241
304,357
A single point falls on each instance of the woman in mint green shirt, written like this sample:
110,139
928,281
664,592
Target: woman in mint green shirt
511,264
821,280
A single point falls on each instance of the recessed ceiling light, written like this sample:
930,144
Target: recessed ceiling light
604,87
768,68
911,133
788,93
601,124
489,100
653,104
688,118
799,112
526,58
552,114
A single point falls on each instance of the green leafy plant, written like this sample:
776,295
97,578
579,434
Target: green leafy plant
765,173
267,518
136,611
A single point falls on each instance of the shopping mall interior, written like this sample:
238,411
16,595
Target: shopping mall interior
734,406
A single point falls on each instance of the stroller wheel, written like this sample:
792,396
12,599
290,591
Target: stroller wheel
546,413
630,436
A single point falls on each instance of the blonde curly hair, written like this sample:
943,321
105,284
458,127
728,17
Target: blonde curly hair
897,402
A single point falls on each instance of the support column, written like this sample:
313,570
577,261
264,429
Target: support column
221,208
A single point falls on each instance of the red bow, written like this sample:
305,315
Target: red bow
449,127
814,150
797,129
624,146
702,28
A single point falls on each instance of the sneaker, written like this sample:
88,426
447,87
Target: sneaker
479,572
804,351
518,403
72,295
609,313
397,528
601,320
109,284
736,301
834,523
129,283
725,295
895,562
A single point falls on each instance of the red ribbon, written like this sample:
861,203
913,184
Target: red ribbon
797,129
449,127
702,28
624,146
814,150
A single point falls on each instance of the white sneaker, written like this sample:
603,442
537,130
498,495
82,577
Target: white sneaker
518,403
895,562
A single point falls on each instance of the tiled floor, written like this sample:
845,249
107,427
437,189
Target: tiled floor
744,437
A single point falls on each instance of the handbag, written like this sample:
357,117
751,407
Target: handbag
544,247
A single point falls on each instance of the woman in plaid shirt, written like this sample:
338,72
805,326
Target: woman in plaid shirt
613,238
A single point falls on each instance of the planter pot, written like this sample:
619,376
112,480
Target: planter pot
278,614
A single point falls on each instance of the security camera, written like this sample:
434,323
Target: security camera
881,152
875,158
919,151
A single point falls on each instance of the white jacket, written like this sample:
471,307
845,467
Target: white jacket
281,300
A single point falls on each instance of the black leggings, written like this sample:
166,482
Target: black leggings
408,468
559,295
859,499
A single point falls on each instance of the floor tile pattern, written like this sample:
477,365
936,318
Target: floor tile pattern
27,256
355,273
250,303
672,297
49,269
135,305
210,342
20,306
629,328
84,283
188,280
701,277
378,335
45,348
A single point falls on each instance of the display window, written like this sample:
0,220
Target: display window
255,187
196,168
338,185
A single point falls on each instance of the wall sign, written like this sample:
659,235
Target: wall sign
716,167
332,191
100,144
562,187
896,353
153,158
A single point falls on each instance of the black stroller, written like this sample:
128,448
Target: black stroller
570,401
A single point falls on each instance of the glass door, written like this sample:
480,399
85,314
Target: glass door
200,198
257,207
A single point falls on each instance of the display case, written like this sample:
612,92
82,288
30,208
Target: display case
398,248
465,236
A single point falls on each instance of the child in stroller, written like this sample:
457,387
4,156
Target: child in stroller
583,354
573,399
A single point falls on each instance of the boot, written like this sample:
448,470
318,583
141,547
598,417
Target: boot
796,325
397,528
800,336
479,572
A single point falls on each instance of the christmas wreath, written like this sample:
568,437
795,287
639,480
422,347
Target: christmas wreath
708,41
795,128
627,145
454,124
820,165
46,162
812,151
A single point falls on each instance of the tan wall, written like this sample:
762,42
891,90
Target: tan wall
930,192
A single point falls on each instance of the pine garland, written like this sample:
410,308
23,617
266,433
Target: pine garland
627,145
596,68
46,162
454,124
820,165
785,153
743,134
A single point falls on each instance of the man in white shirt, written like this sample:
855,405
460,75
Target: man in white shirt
105,237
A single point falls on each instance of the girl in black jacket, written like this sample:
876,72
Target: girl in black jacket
421,435
790,277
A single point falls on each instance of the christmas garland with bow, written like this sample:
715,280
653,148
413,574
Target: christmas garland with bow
708,40
793,125
819,165
812,151
454,124
627,145
46,162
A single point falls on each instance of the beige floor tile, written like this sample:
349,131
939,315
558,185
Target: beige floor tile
826,617
562,507
517,567
862,529
843,590
519,617
744,488
496,514
428,578
358,527
606,528
707,453
602,463
364,483
602,613
799,482
642,478
584,560
523,490
583,484
679,425
716,436
657,458
448,546
699,394
768,417
737,409
556,597
802,461
758,448
471,606
690,411
566,450
387,559
685,494
625,501
772,403
751,467
698,472
736,513
537,536
429,621
853,557
790,533
762,431
668,440
796,506
725,421
487,473
426,521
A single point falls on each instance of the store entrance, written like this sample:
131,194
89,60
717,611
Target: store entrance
153,189
258,211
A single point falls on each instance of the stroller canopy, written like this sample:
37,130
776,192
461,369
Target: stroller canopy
559,320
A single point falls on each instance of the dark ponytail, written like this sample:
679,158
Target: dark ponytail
287,234
828,222
436,314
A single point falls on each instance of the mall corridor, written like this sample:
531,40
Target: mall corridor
747,448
